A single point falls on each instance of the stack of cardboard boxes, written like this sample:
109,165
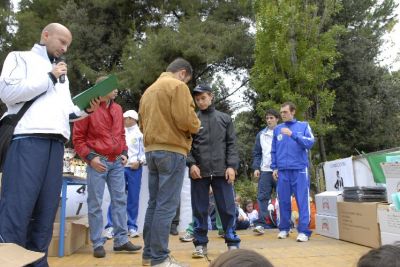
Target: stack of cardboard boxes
327,213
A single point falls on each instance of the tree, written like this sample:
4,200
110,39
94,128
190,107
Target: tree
366,109
294,58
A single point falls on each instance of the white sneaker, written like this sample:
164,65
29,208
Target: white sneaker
199,252
108,232
283,234
232,247
188,237
133,233
171,262
302,237
259,230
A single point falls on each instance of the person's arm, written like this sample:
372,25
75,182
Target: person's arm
182,110
80,133
306,140
232,155
15,86
257,153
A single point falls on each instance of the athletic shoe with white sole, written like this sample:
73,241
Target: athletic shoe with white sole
259,230
108,232
188,237
133,233
302,237
283,234
199,252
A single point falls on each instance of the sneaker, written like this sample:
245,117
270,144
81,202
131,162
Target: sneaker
171,262
146,262
128,246
99,252
109,233
232,247
188,237
259,230
133,233
174,230
302,237
199,252
283,234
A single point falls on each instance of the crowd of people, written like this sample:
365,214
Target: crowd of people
168,136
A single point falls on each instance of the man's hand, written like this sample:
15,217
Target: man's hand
275,175
286,131
195,172
134,165
257,174
94,104
230,175
60,69
96,164
124,159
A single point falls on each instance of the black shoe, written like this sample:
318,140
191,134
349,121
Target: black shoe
99,252
174,230
128,246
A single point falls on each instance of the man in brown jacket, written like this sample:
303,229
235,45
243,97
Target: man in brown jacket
167,120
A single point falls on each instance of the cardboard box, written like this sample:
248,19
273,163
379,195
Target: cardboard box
74,238
389,220
358,223
326,202
389,238
12,255
327,226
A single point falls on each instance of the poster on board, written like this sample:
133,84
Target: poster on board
338,174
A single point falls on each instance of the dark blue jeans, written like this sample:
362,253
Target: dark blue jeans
265,185
166,172
224,199
30,193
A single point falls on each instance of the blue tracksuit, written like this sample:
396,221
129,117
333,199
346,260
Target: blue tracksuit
290,158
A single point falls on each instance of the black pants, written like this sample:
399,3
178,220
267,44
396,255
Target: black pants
224,199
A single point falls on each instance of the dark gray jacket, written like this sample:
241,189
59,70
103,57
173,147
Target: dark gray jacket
214,146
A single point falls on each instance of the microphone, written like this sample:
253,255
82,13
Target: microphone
61,79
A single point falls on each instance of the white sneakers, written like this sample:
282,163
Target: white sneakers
283,234
259,230
302,237
171,262
188,237
133,233
108,233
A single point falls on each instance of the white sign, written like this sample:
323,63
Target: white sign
391,170
338,174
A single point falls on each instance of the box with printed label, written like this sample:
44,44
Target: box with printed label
389,219
326,202
358,223
327,226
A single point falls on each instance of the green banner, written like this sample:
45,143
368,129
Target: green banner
375,161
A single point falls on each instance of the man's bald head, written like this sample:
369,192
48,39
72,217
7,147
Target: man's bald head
57,38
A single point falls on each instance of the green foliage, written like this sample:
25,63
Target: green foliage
366,109
294,59
246,189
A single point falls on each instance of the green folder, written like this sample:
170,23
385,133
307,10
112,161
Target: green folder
103,88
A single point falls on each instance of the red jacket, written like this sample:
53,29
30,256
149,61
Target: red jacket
101,133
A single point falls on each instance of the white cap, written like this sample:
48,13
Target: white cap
131,114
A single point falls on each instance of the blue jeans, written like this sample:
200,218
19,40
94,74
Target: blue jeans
133,179
166,172
265,185
114,177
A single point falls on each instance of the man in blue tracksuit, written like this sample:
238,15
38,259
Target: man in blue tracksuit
290,144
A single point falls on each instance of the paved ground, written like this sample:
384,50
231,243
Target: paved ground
319,251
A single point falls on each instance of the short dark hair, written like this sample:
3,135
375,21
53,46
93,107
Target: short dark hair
292,107
180,64
272,112
386,255
241,257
